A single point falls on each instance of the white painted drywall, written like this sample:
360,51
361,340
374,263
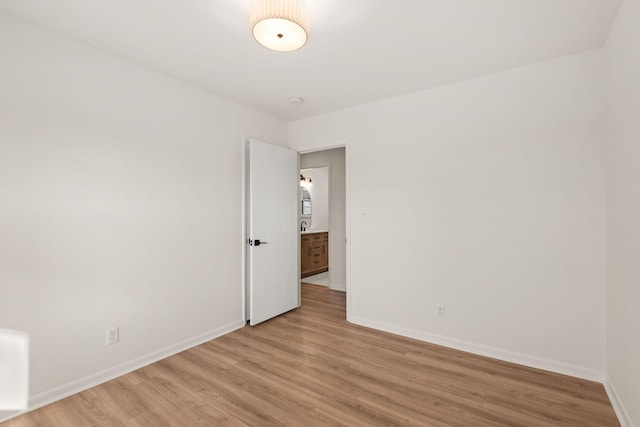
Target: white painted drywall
120,205
504,177
335,159
319,192
623,209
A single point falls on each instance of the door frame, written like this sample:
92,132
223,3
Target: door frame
328,145
245,228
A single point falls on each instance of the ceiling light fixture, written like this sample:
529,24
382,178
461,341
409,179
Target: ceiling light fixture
281,25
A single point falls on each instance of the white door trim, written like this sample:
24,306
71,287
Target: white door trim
244,238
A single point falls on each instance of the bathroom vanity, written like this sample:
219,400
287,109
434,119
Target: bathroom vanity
314,252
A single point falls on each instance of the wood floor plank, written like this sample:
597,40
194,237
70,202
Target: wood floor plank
311,367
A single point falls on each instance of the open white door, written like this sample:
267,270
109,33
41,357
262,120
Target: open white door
272,230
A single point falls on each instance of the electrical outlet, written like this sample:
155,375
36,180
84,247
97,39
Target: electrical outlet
113,336
441,311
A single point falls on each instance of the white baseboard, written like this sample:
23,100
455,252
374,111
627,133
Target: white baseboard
483,350
616,402
41,399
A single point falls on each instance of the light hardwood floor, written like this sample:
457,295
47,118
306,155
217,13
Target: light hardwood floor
310,367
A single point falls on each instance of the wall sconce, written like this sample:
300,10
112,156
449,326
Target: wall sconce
304,181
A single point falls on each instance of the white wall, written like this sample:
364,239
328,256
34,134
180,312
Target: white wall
319,192
120,205
623,209
335,159
505,175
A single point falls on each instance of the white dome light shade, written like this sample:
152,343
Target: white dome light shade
279,34
280,25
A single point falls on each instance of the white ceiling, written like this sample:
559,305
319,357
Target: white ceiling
359,51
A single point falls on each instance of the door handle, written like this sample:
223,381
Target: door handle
256,242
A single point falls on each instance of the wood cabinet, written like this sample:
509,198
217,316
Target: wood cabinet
314,253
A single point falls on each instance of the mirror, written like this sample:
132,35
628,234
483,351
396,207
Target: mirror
305,195
306,208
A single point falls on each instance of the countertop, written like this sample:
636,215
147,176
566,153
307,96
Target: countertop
314,231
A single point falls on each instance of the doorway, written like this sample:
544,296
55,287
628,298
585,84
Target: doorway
314,225
323,216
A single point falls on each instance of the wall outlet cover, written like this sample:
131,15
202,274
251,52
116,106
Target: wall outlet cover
113,336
